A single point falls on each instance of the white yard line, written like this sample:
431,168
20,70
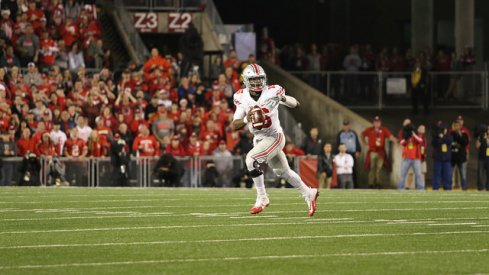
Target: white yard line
255,217
305,221
409,222
264,257
153,227
224,214
105,216
450,224
368,235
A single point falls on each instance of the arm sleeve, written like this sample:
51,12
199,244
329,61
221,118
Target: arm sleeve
417,138
290,102
240,113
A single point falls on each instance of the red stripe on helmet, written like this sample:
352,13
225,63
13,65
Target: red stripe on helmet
255,68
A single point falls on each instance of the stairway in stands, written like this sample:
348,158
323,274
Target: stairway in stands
112,40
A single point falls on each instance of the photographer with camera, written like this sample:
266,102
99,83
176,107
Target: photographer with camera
411,156
459,152
30,169
442,157
168,171
119,158
482,145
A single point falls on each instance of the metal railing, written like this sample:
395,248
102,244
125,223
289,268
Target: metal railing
100,172
379,90
203,171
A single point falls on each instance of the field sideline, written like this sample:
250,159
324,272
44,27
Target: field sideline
209,231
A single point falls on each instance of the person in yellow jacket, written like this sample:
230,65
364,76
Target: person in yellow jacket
419,88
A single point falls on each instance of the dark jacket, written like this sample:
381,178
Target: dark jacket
325,164
311,147
483,153
459,143
442,147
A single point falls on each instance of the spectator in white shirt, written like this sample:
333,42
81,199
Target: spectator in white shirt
344,168
84,130
75,59
58,137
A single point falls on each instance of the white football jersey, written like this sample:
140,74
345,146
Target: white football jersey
268,101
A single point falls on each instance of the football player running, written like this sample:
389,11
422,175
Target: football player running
269,140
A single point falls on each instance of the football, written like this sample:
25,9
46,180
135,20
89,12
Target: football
257,118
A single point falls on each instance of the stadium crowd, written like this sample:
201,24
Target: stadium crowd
334,57
56,107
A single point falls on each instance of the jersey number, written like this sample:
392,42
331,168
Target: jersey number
268,120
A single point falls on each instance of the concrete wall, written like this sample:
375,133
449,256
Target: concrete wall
319,110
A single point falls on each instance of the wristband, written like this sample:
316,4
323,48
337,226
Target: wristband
245,119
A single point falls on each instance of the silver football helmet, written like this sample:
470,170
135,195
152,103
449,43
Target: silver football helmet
254,78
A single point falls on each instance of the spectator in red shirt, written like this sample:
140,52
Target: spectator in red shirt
411,156
232,79
206,149
174,112
34,14
137,121
75,147
97,147
46,147
109,120
145,144
25,144
48,51
69,32
176,148
125,103
104,132
156,61
375,137
194,146
292,151
39,131
234,63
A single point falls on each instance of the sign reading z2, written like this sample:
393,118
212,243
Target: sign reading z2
146,21
178,22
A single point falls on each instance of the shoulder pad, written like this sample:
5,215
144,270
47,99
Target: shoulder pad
276,89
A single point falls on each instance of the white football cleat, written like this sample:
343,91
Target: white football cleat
260,204
311,201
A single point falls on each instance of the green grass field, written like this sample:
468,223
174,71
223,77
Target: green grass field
209,231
